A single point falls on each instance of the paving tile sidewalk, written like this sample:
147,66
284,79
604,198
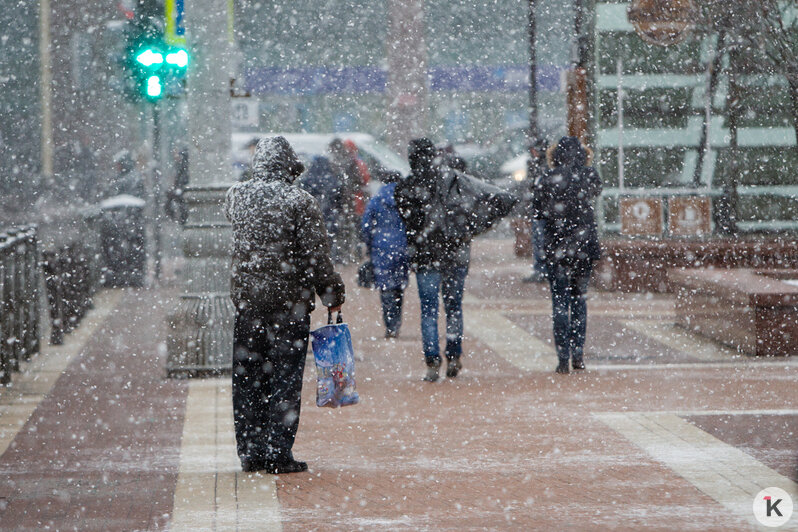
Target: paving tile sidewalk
101,450
640,441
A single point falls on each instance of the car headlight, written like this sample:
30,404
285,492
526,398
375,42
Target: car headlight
519,175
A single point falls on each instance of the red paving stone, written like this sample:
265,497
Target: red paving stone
101,451
496,449
771,439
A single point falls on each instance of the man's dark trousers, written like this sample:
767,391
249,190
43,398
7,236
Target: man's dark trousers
269,352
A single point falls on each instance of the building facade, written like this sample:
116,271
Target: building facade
650,138
328,68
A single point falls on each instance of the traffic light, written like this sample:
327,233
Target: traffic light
155,69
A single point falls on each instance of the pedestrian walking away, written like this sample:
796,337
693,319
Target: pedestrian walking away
324,184
383,232
443,209
563,199
281,259
348,176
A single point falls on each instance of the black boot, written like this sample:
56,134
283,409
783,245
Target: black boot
453,367
249,465
562,367
287,466
433,365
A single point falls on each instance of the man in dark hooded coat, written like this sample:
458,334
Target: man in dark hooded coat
563,198
439,259
281,258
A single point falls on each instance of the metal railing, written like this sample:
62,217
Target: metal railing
19,298
72,277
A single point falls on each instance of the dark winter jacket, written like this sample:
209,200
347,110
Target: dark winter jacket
563,198
418,200
384,234
281,252
324,184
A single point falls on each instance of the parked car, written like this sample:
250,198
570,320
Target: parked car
485,159
379,158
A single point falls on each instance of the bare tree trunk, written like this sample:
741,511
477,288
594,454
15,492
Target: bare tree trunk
407,90
704,145
793,81
533,75
727,209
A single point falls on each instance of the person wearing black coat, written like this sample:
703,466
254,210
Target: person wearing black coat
563,198
440,261
281,260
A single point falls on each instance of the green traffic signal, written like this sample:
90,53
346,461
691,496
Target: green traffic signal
150,57
154,87
155,69
178,58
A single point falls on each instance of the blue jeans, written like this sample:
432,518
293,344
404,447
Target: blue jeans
451,283
392,309
569,309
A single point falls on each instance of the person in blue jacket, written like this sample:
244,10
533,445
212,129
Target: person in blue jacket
384,234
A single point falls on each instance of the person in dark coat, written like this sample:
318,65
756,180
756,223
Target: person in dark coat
281,259
127,180
563,198
348,177
175,202
323,183
383,232
440,262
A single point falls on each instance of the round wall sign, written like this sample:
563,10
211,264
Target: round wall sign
662,22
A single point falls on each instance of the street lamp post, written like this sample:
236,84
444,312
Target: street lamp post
533,75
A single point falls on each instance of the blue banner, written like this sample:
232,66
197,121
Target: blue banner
367,79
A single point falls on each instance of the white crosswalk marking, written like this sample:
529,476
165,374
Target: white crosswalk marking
721,471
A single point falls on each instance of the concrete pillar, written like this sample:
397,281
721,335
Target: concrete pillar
201,327
407,89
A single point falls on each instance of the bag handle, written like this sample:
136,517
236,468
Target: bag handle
339,319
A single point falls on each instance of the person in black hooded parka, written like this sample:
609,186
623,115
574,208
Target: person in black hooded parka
281,259
563,198
439,260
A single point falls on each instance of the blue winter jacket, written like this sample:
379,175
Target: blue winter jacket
384,234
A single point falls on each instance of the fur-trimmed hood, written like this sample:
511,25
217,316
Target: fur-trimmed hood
569,150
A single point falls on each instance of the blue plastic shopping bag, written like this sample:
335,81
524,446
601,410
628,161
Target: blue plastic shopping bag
335,364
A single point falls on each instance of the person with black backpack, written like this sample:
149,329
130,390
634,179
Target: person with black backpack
563,198
443,210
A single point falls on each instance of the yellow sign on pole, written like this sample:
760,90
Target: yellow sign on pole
175,33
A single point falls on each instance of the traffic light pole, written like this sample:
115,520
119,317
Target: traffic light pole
157,188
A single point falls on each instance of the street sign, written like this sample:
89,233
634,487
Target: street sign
689,216
641,216
244,112
662,22
175,32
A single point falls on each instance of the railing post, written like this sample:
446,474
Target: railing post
5,357
15,300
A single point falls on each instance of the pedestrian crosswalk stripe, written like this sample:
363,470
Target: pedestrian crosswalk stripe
721,471
509,341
